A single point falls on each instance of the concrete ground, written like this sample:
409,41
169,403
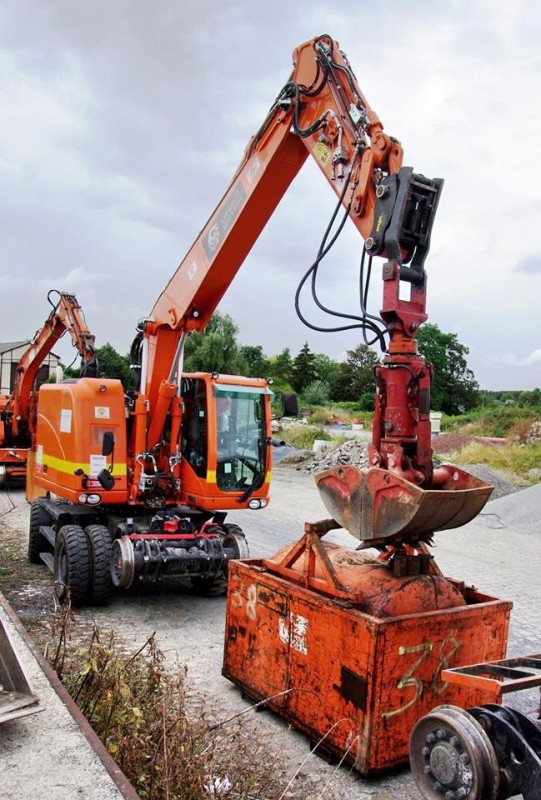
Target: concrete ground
52,754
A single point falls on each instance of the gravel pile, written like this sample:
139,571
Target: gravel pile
534,433
502,485
356,452
351,452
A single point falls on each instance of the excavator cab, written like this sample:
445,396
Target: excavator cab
225,441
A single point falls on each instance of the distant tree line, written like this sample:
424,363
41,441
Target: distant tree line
319,379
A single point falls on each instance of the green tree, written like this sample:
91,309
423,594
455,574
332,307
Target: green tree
256,360
316,393
530,399
112,365
454,388
281,366
216,348
355,378
304,369
326,368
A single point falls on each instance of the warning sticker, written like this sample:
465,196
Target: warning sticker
65,420
97,463
102,412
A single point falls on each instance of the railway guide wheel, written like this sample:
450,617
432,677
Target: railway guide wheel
452,757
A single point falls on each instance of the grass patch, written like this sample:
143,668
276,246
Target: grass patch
304,436
514,458
501,421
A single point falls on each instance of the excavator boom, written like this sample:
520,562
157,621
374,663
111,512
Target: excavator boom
17,410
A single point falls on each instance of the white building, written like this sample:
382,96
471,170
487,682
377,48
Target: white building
10,355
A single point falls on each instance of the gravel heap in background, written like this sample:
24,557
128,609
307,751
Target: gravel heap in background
355,452
534,433
351,452
502,486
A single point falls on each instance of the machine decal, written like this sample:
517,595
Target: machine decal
225,218
102,412
253,170
322,153
294,632
65,420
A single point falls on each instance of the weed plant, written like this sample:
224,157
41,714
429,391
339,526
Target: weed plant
513,458
139,710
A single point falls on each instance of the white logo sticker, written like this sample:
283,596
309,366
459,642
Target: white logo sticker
65,420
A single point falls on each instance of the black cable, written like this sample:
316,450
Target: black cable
366,322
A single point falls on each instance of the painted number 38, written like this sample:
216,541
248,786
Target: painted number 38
410,678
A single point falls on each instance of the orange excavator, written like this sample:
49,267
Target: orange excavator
18,409
146,478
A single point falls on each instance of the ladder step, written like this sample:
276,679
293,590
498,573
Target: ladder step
48,560
49,533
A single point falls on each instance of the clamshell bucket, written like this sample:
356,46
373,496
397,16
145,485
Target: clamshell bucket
377,506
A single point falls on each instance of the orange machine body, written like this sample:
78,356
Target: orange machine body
72,420
227,418
357,680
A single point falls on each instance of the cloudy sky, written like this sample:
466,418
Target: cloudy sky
122,122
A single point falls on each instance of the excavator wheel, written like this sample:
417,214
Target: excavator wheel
72,565
37,543
100,586
236,545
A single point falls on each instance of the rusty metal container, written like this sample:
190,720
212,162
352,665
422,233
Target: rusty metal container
360,680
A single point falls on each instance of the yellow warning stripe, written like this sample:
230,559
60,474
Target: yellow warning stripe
69,467
211,476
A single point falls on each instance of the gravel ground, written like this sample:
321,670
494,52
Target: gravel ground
177,615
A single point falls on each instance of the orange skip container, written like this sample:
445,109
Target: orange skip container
356,664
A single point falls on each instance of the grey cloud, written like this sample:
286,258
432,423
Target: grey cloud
531,265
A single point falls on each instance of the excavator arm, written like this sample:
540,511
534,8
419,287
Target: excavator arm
66,316
321,112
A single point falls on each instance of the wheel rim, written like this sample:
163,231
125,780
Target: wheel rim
237,543
122,563
452,758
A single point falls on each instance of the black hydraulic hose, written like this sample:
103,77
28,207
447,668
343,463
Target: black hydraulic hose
364,322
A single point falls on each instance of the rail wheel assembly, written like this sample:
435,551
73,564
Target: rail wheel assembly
487,753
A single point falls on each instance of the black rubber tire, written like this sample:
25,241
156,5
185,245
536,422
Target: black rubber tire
211,587
100,586
37,543
72,565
